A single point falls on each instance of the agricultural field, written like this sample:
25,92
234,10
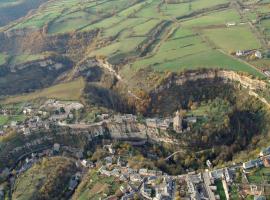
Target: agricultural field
132,33
64,91
233,38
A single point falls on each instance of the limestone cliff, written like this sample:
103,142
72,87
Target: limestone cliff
181,79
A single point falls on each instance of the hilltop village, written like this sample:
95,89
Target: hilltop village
134,183
62,113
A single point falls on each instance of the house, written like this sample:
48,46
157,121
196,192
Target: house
265,152
191,120
266,161
120,162
115,172
258,54
123,189
135,178
27,111
239,53
102,170
152,123
151,179
103,116
128,196
146,191
267,73
208,163
118,118
228,24
56,147
130,118
253,163
26,131
228,175
143,172
108,160
73,184
123,177
111,150
87,163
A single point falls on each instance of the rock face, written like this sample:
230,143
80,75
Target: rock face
125,131
226,76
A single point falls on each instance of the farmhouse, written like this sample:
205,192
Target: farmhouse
229,24
258,54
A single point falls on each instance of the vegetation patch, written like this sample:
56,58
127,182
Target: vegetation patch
95,186
47,179
64,91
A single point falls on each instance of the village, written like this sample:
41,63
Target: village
157,185
61,113
210,183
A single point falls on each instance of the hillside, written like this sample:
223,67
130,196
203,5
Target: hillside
134,99
46,179
150,36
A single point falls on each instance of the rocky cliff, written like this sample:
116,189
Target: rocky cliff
181,79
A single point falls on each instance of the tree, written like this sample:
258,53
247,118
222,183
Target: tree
62,110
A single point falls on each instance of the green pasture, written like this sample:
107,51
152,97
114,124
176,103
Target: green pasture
127,24
233,38
180,9
216,18
186,50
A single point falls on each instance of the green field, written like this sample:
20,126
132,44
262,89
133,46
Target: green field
200,40
64,91
233,38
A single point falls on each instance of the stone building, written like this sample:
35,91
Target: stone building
177,122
